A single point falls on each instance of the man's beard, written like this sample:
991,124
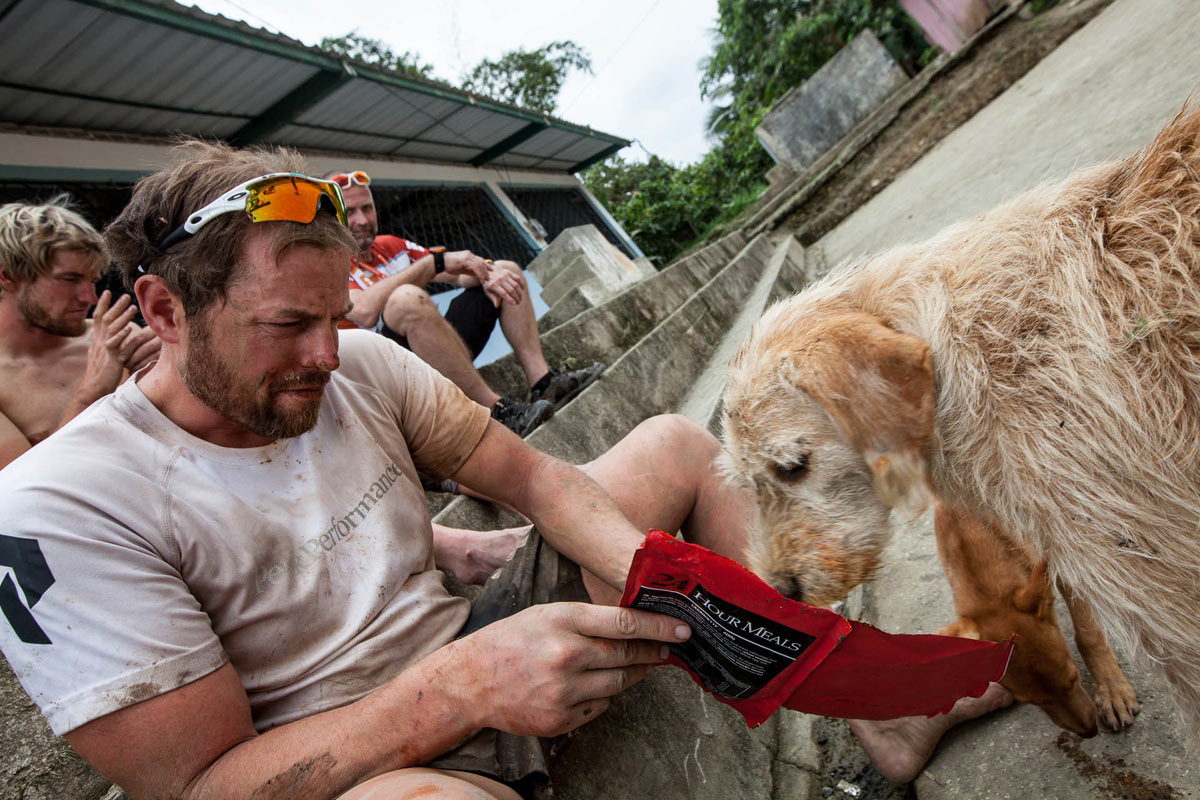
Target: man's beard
363,237
211,380
36,316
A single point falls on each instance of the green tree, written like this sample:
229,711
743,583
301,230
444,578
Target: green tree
529,79
765,47
375,53
762,48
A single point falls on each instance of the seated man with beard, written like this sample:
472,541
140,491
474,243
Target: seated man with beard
390,287
228,573
54,362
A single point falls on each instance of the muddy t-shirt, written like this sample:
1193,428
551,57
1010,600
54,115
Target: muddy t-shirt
140,558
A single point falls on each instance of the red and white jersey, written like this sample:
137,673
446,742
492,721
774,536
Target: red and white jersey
389,255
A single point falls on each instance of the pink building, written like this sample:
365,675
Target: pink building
949,23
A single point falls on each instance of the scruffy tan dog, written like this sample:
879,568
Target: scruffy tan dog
1037,366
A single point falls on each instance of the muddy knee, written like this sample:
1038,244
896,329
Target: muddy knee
408,307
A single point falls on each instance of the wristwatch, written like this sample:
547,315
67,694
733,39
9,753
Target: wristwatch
439,259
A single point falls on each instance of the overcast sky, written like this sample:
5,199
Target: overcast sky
645,53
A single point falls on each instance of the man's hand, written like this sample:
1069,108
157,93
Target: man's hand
106,352
500,285
141,346
465,263
503,286
551,668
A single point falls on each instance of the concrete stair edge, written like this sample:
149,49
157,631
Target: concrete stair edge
783,274
699,264
604,332
638,384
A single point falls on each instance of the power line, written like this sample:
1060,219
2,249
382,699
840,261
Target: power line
612,56
250,13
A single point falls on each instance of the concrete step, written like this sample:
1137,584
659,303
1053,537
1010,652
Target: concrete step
784,275
646,376
605,332
701,265
684,748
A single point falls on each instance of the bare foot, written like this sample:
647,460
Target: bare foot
899,748
474,555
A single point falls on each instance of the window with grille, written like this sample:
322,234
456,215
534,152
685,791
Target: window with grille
558,209
458,218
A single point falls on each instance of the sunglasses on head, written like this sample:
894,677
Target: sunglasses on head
348,179
278,197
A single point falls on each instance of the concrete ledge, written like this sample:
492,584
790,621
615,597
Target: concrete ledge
783,275
651,378
794,272
605,332
814,115
688,745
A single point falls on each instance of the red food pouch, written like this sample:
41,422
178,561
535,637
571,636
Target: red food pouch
756,650
750,645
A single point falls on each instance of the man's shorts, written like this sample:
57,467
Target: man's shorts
534,574
471,314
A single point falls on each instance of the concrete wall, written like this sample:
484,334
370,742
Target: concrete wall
580,258
815,115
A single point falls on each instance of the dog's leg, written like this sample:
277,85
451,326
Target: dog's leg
1116,701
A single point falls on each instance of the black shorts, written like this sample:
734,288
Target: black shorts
534,574
471,314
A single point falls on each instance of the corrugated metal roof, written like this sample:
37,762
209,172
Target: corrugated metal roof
156,68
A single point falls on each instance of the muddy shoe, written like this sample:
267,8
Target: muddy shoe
522,418
560,385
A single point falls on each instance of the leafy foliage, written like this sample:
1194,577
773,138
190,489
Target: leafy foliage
763,48
529,79
376,53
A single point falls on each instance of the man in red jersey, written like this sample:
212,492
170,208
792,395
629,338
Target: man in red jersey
390,287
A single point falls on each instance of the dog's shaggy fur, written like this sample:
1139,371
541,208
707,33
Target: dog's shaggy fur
1038,366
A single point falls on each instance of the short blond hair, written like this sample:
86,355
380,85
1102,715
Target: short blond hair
31,235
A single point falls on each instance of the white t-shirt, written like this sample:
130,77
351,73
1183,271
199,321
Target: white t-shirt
146,558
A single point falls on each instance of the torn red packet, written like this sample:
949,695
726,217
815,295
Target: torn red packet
756,650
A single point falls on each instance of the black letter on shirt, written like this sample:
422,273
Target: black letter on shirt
34,576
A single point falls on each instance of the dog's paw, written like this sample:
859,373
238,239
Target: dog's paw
1116,703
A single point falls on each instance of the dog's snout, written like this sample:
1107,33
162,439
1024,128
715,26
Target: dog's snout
789,586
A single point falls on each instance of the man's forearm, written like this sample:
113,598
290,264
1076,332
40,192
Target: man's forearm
85,394
405,723
582,521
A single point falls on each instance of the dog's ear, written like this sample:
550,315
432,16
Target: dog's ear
1036,593
962,628
877,385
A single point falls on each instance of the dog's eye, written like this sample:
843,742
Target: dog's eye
792,471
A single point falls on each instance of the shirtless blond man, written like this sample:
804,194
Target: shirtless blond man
54,361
